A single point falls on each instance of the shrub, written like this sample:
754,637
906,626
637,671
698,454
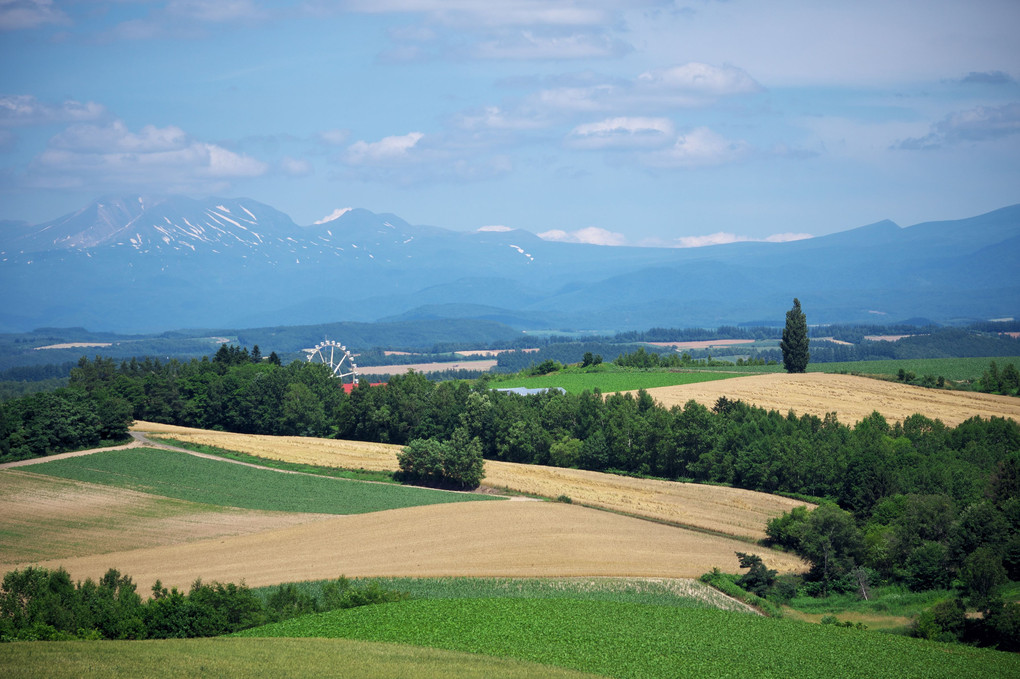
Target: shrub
759,579
457,462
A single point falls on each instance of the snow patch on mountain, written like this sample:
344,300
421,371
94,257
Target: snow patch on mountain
521,250
335,214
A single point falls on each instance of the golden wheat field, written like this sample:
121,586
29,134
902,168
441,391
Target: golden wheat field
513,539
732,511
851,397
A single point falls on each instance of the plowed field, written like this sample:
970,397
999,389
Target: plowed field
731,511
852,398
517,539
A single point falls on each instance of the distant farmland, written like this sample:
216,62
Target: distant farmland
577,382
852,398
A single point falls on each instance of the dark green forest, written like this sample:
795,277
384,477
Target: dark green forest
37,604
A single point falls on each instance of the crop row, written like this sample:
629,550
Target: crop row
635,640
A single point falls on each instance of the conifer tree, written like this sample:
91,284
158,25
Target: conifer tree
795,340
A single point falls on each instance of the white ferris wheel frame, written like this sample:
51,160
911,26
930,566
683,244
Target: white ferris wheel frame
337,357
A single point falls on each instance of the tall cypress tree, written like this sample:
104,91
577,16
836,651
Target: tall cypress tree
795,340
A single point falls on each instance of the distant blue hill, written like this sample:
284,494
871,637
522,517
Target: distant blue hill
143,263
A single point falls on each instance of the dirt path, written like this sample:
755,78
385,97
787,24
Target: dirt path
77,453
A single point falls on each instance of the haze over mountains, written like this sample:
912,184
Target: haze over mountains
142,264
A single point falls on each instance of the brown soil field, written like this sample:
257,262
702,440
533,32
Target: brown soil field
731,511
425,367
852,398
506,539
44,517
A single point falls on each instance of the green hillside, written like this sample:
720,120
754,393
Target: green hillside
186,477
646,641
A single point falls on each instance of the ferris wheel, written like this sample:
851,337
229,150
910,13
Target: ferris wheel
337,357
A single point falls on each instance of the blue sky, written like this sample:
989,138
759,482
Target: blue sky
616,122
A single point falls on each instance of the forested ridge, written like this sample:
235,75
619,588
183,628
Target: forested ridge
917,503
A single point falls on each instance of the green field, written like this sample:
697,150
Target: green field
612,379
576,382
257,659
187,477
955,369
636,640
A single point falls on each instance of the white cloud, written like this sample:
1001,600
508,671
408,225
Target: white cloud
570,99
701,147
296,167
982,123
116,137
535,45
386,150
497,228
699,79
494,12
25,109
214,11
21,14
596,236
335,214
787,237
416,158
868,43
723,238
689,85
591,235
111,155
501,29
494,118
622,132
189,18
334,137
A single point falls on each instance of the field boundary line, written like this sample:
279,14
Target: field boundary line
141,440
74,453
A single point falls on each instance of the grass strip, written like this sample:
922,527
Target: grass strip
257,658
187,477
634,640
318,470
681,593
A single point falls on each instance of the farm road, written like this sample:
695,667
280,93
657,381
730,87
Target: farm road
143,441
140,440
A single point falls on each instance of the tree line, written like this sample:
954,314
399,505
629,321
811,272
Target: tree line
38,604
918,498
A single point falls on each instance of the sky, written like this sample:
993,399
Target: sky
617,122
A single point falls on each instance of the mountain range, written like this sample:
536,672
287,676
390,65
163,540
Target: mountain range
145,263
